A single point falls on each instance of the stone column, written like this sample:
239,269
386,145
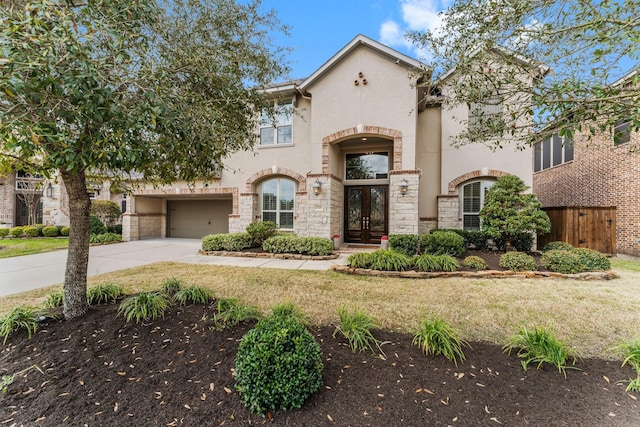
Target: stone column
403,206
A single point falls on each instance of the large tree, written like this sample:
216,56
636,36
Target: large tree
589,47
161,88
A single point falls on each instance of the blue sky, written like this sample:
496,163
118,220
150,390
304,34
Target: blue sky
319,28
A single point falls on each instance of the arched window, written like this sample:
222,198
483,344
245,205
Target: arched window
277,197
472,199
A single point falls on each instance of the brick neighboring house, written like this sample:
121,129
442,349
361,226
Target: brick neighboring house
588,176
361,149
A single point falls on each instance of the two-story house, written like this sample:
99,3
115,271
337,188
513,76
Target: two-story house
360,149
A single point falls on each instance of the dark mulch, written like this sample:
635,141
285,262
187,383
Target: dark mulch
99,371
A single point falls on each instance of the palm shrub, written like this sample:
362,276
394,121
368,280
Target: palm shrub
55,299
475,262
630,351
539,346
388,260
193,295
431,263
18,318
171,285
592,260
231,311
360,260
355,325
517,261
144,306
442,242
562,261
289,309
104,294
278,365
435,336
557,245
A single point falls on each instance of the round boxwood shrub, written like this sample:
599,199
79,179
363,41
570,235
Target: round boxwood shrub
15,231
261,231
278,365
64,231
592,260
30,231
475,262
50,231
4,232
562,261
552,246
517,261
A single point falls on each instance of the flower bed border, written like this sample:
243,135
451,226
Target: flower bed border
486,274
269,255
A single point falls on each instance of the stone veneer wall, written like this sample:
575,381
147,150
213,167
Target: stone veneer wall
403,208
7,200
599,175
449,211
139,226
322,212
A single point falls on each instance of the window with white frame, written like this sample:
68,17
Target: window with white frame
621,132
472,197
277,130
487,115
277,197
553,151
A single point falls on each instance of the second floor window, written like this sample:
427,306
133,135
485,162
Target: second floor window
277,130
487,116
621,133
553,151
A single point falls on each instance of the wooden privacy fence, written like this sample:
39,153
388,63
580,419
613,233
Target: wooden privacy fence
582,227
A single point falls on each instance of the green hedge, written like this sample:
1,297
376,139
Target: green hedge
442,242
227,242
407,244
4,232
290,243
16,231
50,231
576,260
517,261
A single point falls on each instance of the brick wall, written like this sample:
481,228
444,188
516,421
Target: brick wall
599,175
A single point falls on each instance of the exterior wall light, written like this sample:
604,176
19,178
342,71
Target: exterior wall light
317,186
404,186
48,192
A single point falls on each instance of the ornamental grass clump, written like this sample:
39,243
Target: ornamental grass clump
539,346
278,365
289,309
16,319
433,263
475,262
442,242
517,261
104,294
355,325
630,351
360,260
55,299
388,260
171,285
144,306
231,311
435,336
193,295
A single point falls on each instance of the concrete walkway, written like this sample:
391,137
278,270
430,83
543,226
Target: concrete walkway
24,273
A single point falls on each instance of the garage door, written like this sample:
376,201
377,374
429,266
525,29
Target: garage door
197,218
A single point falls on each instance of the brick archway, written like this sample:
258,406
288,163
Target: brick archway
264,173
343,134
453,184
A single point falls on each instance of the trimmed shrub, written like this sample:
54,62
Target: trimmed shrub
475,262
4,232
476,238
16,231
522,242
431,263
50,231
562,261
278,365
388,260
237,242
360,260
39,227
116,228
552,246
64,231
261,231
95,225
213,242
517,261
592,260
30,231
442,243
407,244
292,244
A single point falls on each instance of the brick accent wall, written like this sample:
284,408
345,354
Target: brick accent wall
600,175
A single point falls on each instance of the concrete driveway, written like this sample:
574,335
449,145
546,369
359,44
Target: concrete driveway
19,274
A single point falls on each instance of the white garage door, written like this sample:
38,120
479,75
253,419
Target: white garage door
197,218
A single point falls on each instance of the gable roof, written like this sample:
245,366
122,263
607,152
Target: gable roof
359,40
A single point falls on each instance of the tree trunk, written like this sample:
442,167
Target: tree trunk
75,278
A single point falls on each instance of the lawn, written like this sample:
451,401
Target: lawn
17,247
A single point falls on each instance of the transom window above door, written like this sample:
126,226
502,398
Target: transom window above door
367,166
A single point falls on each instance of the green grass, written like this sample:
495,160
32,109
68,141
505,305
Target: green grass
18,247
435,336
625,264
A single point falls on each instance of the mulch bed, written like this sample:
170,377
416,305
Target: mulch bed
101,371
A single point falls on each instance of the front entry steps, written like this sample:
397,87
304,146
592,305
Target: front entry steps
353,248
